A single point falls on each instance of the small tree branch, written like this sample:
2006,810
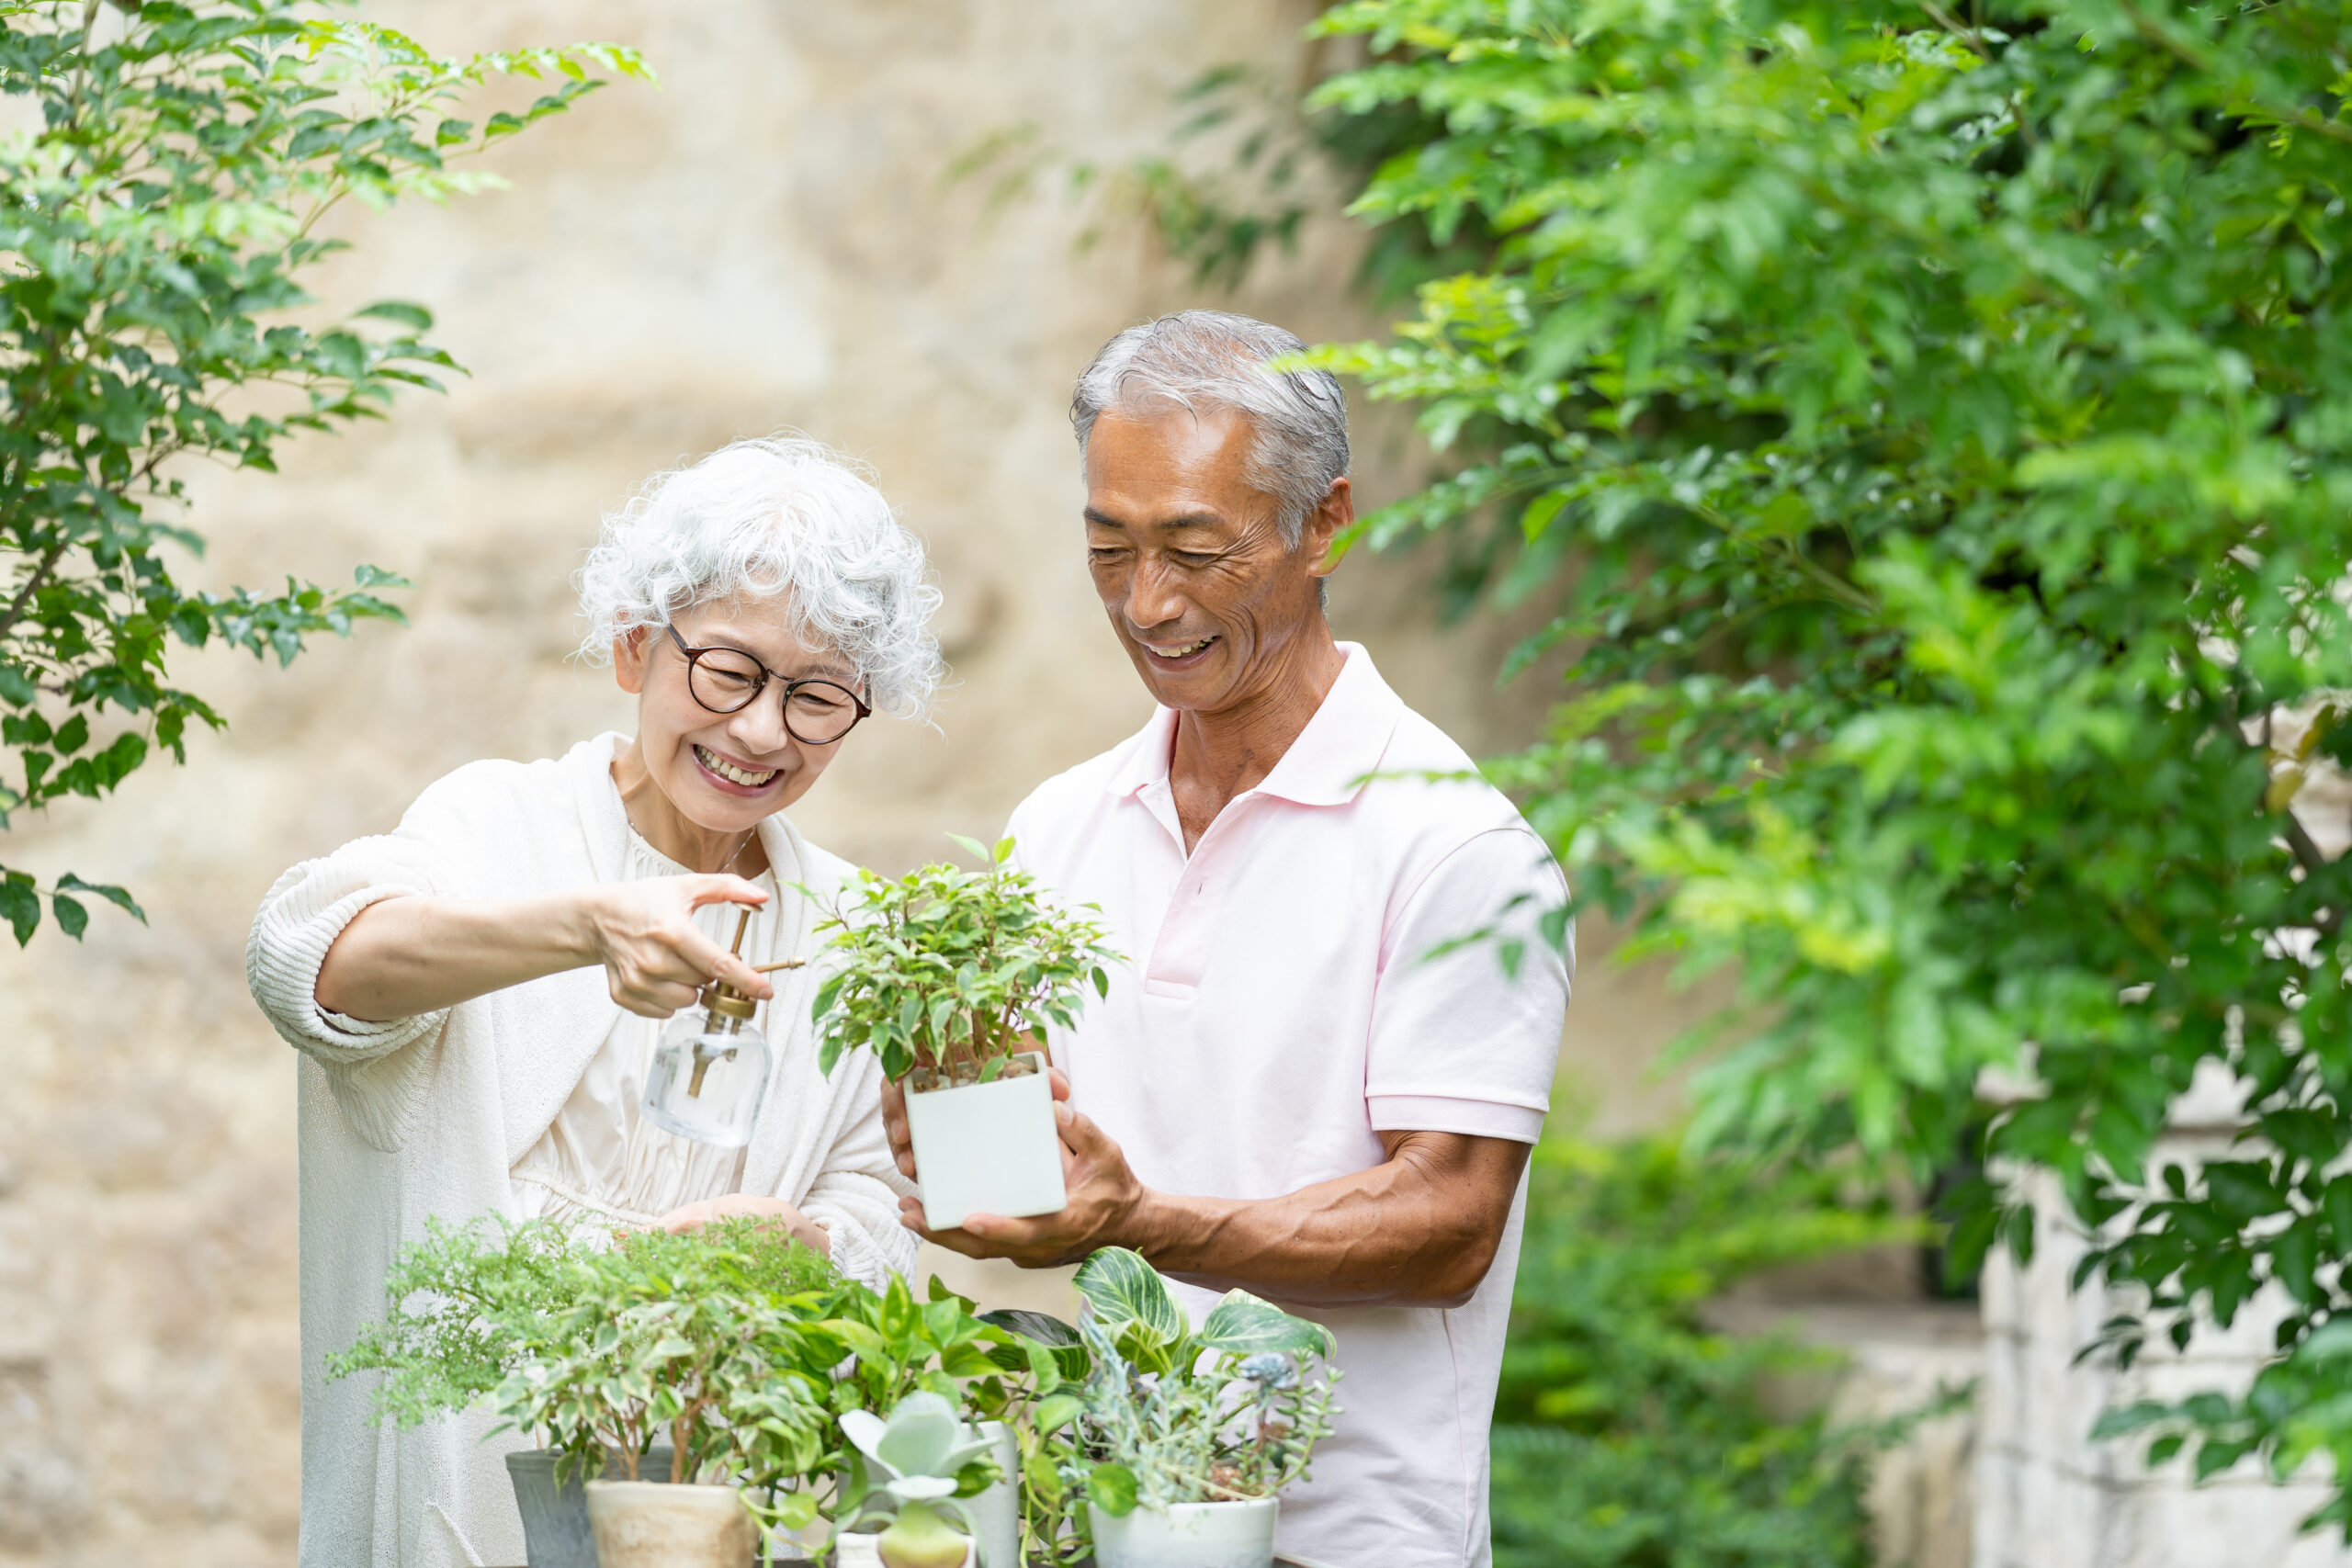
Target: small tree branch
42,570
2311,858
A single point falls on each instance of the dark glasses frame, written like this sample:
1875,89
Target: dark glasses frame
695,657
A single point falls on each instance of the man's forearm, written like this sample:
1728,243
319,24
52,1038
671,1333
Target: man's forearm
1420,1229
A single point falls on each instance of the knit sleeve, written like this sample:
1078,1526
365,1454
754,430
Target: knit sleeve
377,1070
299,920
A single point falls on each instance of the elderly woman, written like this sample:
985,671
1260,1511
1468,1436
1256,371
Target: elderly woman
477,995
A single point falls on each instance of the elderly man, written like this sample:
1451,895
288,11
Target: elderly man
1299,1088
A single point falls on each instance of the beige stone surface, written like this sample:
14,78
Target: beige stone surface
762,241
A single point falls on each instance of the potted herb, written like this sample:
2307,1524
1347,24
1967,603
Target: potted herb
950,976
1182,1438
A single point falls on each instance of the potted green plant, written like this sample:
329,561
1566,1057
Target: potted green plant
991,1369
907,1510
464,1304
1181,1439
711,1341
950,976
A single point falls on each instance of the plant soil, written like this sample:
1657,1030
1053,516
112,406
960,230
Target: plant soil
962,1074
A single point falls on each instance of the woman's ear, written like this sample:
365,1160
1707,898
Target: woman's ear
628,659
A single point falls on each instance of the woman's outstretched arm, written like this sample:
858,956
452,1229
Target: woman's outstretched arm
411,954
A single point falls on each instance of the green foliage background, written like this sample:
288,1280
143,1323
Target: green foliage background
1926,428
155,226
1627,1433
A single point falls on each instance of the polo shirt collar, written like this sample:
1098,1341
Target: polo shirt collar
1327,765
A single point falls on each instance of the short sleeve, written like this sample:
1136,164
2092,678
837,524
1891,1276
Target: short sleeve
1462,1041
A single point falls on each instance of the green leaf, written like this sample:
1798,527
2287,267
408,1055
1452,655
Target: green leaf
1042,1327
1122,1289
19,904
1241,1325
416,318
1111,1488
1056,1411
72,918
111,893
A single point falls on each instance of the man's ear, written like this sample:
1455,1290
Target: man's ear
628,659
1325,525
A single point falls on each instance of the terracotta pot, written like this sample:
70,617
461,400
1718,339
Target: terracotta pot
987,1148
1189,1535
648,1524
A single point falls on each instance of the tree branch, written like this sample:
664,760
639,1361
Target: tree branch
23,598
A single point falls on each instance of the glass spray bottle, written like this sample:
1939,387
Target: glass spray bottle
711,1069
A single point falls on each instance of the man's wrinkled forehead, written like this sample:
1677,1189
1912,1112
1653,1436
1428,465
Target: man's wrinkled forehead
1172,471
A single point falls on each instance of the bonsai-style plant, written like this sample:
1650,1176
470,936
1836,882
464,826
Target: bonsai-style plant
917,1464
713,1342
1170,1417
949,977
710,1339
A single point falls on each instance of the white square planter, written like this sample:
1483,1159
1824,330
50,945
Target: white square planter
987,1148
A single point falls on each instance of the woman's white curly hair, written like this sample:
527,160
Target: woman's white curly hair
782,517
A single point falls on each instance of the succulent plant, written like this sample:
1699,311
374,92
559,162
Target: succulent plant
919,1454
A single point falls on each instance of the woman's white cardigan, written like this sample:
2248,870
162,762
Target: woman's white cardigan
424,1116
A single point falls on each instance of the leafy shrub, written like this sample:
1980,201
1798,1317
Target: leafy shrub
1930,430
1628,1434
155,227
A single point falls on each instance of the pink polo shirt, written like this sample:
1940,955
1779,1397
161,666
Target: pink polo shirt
1280,1008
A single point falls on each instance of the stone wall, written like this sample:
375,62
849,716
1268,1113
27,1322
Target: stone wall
2047,1496
762,241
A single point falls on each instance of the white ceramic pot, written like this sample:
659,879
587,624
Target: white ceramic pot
1189,1535
987,1148
645,1524
996,1513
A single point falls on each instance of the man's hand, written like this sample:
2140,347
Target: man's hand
1419,1229
776,1210
1106,1202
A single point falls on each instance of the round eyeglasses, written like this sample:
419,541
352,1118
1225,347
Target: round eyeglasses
727,680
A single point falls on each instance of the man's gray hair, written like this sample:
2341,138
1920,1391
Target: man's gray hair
784,518
1205,360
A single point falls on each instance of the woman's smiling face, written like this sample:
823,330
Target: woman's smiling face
724,773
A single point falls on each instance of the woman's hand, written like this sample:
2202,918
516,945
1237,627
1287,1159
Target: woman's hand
656,960
413,954
776,1210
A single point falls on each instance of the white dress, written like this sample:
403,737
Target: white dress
450,1115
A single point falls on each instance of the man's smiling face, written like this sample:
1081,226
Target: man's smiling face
1189,557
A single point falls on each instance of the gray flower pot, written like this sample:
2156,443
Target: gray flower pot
555,1519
